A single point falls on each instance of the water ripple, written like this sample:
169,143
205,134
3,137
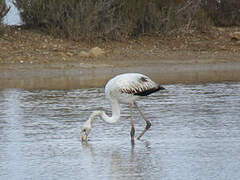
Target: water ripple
195,134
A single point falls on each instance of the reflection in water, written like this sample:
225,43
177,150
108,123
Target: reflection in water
195,135
125,162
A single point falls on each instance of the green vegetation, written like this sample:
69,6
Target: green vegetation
3,11
222,12
119,19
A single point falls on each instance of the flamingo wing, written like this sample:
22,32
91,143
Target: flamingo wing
139,85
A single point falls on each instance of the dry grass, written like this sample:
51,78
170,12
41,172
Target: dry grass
112,19
223,13
33,47
3,11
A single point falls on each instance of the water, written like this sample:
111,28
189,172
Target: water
13,15
195,134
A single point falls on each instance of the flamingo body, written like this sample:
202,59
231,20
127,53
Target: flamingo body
124,88
128,87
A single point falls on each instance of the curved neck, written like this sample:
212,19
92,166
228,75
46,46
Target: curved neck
115,113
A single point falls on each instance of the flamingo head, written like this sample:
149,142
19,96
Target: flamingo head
88,125
85,131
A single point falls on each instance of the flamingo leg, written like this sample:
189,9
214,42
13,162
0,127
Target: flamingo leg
132,132
148,123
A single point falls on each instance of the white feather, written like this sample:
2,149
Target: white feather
124,86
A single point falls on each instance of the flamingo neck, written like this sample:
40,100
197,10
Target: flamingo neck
115,114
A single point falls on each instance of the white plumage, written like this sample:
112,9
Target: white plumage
124,88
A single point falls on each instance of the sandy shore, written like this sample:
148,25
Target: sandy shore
32,60
73,76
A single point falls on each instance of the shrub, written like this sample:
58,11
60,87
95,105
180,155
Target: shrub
3,11
224,12
114,19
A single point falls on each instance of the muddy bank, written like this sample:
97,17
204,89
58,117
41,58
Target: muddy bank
33,60
74,76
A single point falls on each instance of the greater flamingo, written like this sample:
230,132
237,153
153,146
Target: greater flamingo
123,88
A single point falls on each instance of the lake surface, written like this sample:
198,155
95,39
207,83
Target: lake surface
195,134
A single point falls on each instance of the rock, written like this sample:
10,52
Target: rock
221,29
84,54
96,52
223,48
69,54
235,36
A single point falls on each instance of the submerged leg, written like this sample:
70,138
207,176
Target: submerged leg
148,123
132,132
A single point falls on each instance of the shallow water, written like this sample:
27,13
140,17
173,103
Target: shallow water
195,134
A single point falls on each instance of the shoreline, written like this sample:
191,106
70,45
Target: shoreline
75,76
32,60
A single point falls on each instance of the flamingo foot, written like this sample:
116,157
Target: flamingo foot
146,128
